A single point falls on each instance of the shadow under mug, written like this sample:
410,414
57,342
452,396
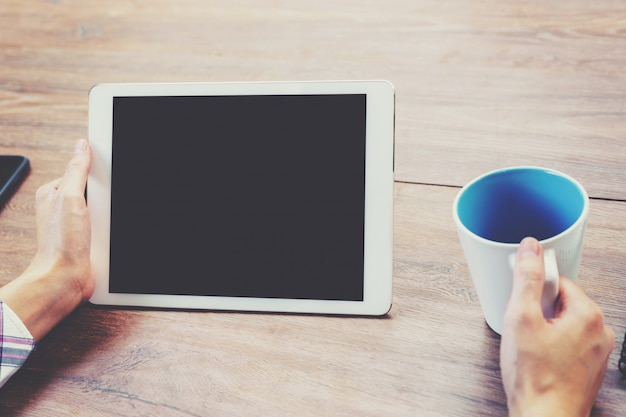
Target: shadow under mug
495,211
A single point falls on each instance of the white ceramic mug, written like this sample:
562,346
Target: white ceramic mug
495,211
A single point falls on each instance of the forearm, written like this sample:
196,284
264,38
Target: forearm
548,406
41,298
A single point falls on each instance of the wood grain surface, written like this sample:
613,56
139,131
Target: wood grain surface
480,85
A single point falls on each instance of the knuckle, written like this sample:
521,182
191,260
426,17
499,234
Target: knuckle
593,318
517,316
531,272
596,314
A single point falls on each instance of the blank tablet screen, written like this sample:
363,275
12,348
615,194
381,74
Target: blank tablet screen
239,196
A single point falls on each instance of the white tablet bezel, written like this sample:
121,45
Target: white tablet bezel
378,245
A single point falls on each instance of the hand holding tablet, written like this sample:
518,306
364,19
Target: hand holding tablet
243,196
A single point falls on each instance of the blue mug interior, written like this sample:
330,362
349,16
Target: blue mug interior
509,205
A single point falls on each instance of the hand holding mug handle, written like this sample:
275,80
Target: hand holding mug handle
554,366
551,284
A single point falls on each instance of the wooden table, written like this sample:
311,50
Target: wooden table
480,84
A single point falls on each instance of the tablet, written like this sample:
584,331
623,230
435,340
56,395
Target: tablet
267,197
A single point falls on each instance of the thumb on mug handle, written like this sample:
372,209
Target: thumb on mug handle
551,284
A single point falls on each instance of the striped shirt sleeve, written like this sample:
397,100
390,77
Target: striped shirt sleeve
16,343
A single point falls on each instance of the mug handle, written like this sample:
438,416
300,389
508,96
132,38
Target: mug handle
551,284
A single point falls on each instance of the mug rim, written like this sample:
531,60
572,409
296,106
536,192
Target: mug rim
580,219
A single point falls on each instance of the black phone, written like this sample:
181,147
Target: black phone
13,170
